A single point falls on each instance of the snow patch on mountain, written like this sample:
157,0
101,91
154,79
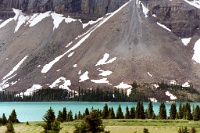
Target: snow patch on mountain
186,84
195,3
128,92
4,84
79,72
173,82
75,65
39,18
84,77
196,56
104,61
15,68
123,86
186,41
163,26
145,10
172,97
101,81
57,19
61,83
71,54
5,22
105,73
20,17
153,100
149,74
31,90
91,22
68,44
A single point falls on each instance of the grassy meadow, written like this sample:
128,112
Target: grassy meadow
115,126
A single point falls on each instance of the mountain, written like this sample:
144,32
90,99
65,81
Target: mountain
91,43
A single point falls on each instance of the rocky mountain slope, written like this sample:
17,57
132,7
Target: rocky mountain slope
126,41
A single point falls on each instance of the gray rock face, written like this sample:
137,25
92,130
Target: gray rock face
92,7
179,16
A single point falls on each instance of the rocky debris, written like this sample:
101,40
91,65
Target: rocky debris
179,16
95,8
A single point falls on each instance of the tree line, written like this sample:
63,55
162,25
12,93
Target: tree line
93,117
138,93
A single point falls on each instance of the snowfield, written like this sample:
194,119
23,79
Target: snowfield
105,60
196,56
186,41
84,77
163,26
172,97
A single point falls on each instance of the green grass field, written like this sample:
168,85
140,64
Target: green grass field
116,126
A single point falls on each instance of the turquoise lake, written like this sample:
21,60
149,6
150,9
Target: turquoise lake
34,111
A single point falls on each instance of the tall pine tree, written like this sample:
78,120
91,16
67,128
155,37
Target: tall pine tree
196,116
48,118
162,111
132,113
173,111
127,115
150,112
119,114
105,112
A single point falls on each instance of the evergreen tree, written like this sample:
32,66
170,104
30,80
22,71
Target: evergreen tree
142,115
87,112
173,111
10,128
13,117
79,116
92,124
105,112
64,114
60,116
127,115
111,113
70,116
162,111
55,126
180,111
132,113
75,117
188,111
150,112
119,114
139,113
196,116
134,87
48,118
4,119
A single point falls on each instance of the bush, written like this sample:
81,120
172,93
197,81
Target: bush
145,130
55,126
92,123
10,128
183,130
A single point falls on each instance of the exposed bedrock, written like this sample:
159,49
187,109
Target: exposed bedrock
179,16
93,8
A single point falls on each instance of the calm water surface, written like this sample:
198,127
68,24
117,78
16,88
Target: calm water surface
34,111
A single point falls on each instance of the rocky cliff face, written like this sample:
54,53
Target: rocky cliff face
93,7
181,18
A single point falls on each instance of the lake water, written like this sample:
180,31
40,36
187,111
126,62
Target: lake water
34,111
